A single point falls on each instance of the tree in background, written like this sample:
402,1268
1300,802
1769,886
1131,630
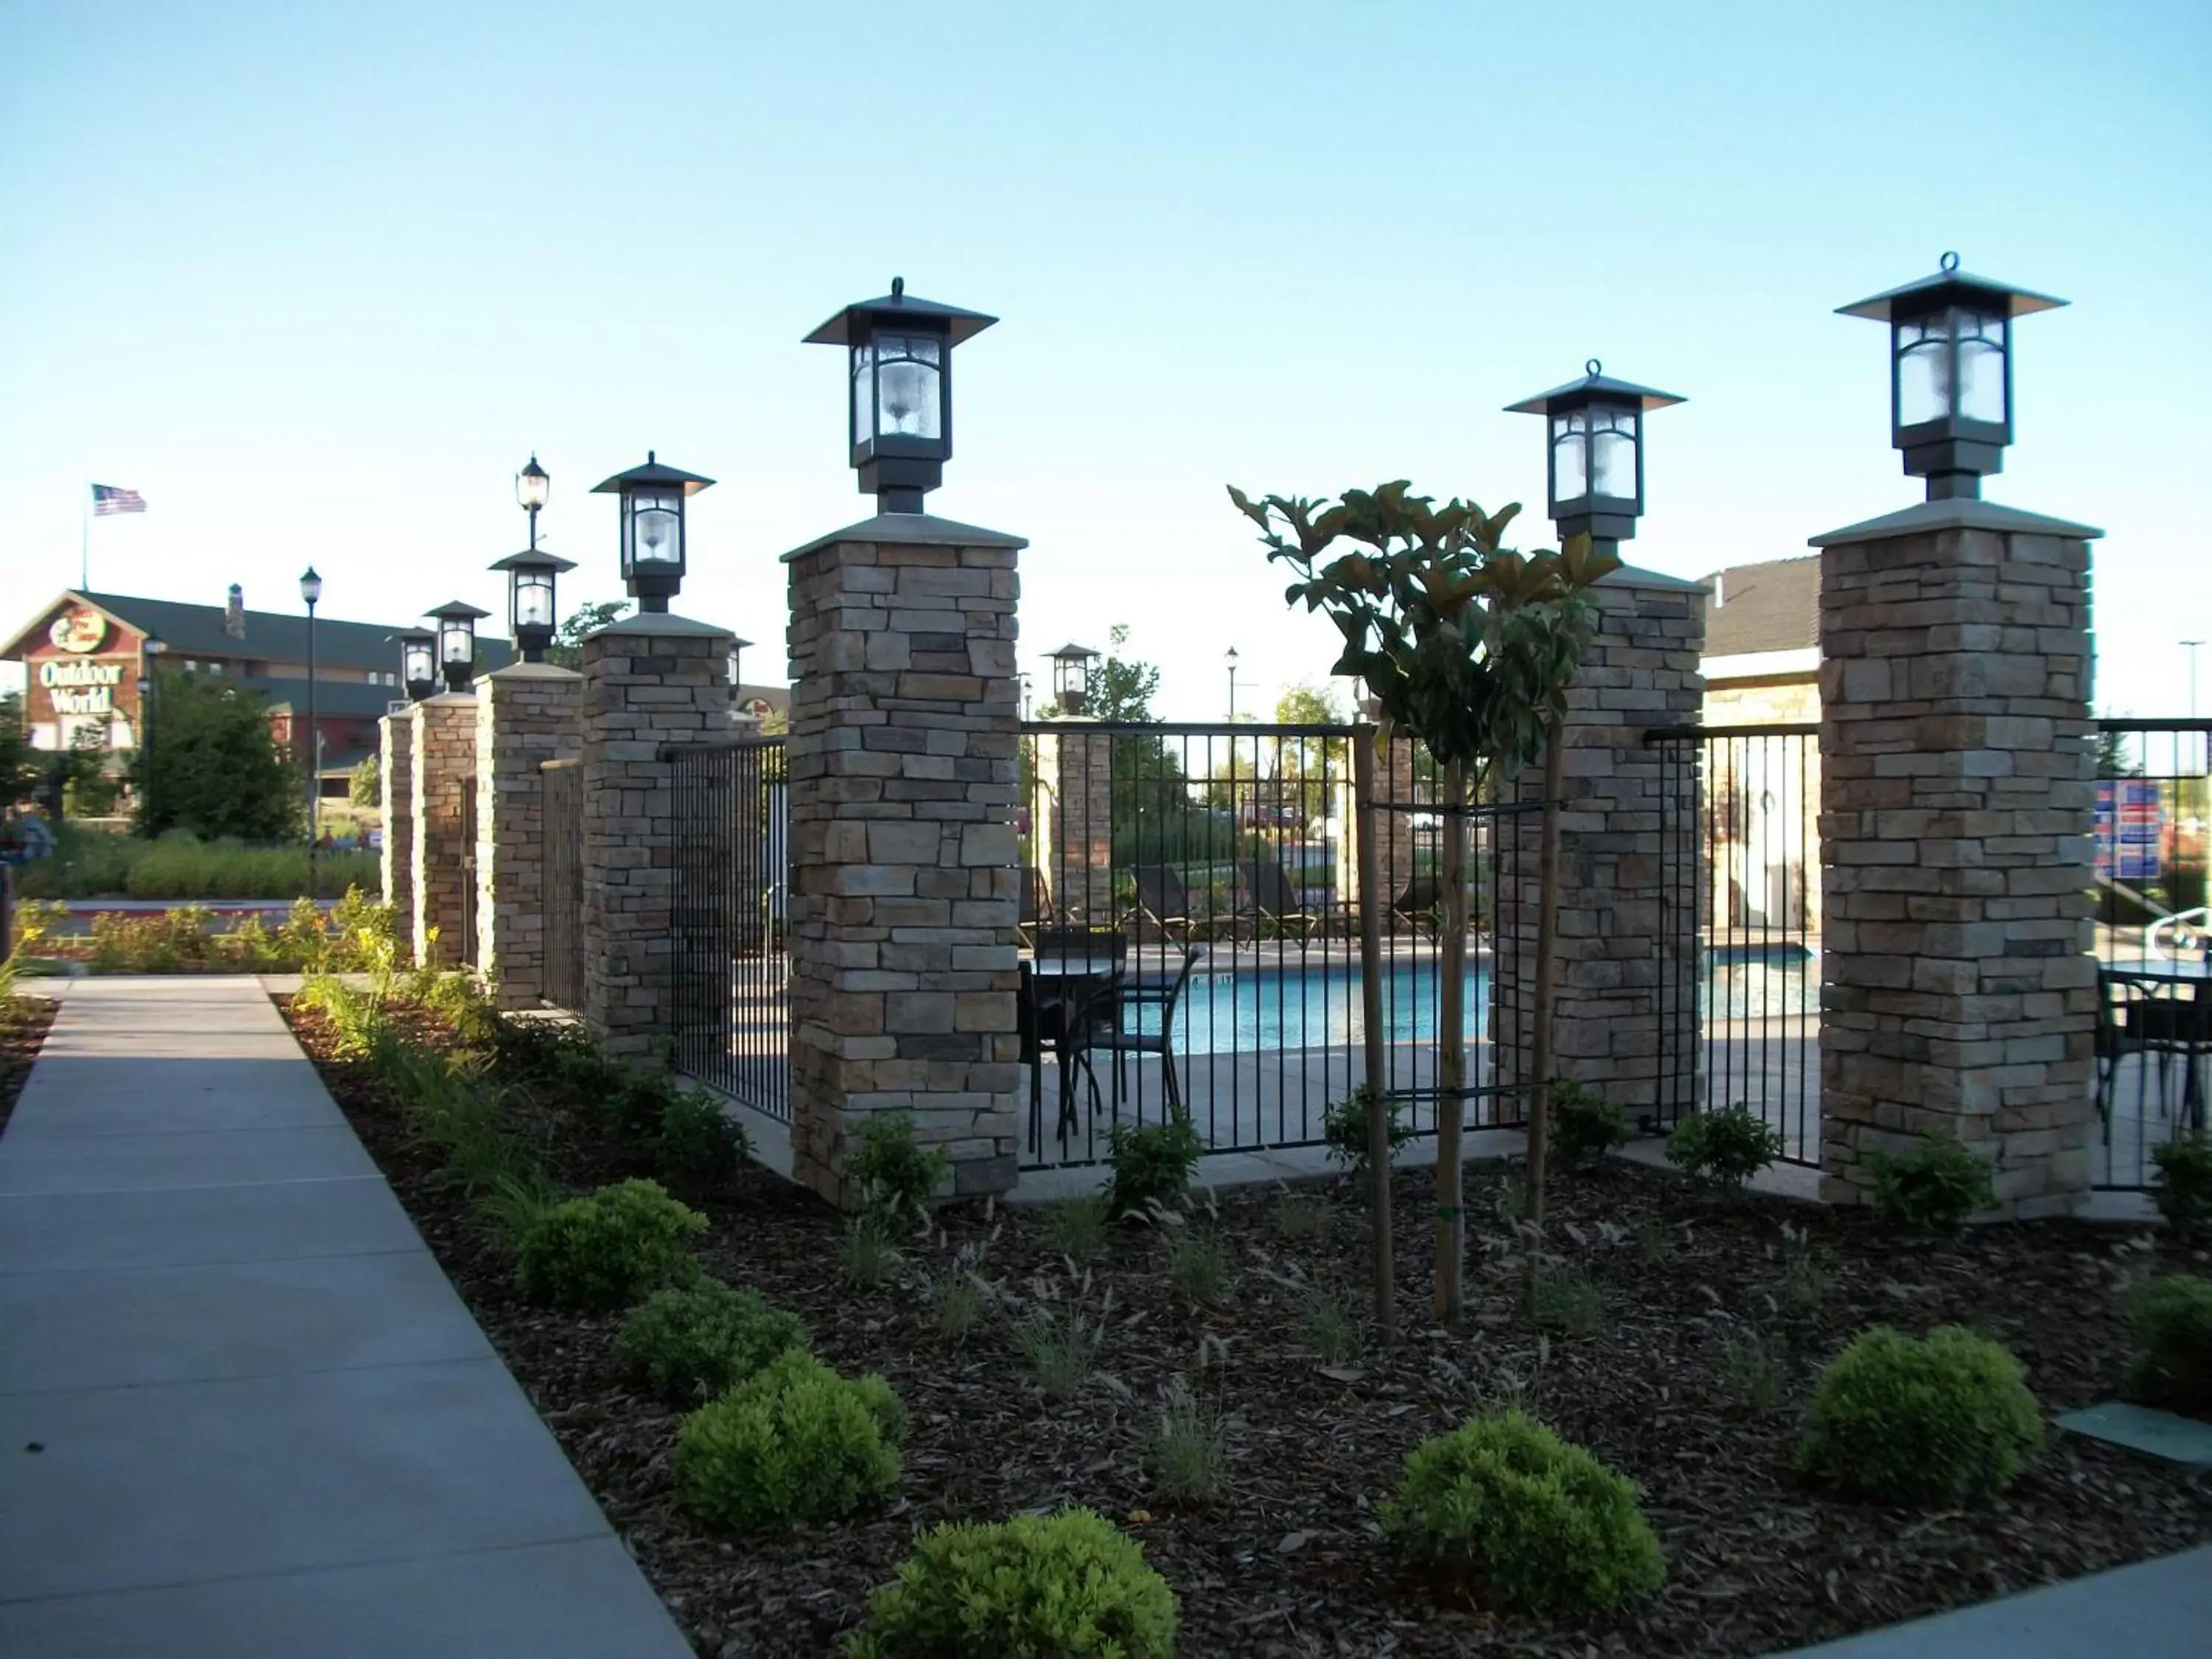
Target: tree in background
1311,767
87,788
366,786
20,771
567,648
215,769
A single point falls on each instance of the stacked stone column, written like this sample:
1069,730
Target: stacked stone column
395,775
1075,843
904,867
1959,993
1628,965
649,681
527,713
443,777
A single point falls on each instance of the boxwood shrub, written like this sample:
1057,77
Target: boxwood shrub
1943,1418
692,1342
606,1248
794,1442
2171,1319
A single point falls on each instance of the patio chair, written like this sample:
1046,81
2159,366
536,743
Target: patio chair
1274,899
1162,901
2133,1018
1036,902
1418,904
1118,1026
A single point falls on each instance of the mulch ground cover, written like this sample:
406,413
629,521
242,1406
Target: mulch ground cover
1667,1298
23,1023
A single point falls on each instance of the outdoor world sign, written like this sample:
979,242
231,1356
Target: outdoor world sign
81,688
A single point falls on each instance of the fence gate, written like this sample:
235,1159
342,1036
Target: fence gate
1746,863
563,969
732,976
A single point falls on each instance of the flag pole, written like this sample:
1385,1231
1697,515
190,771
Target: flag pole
84,541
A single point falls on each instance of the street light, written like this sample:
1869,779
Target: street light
1950,373
530,608
310,593
1594,452
737,654
418,662
651,505
900,406
148,689
1230,658
531,486
2190,646
1071,677
456,641
1029,690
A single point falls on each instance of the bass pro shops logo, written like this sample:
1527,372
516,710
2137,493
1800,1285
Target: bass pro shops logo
80,631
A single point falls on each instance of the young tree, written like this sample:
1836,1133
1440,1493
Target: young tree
567,648
1470,648
1312,765
88,789
366,786
214,767
21,774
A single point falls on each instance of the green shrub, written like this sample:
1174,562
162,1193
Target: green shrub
1330,1334
2185,1183
895,1175
694,1341
1936,1188
1065,1586
1942,1420
699,1148
1585,1125
1729,1147
794,1442
1539,1523
606,1248
2171,1319
1566,1300
637,1102
1344,1128
1152,1164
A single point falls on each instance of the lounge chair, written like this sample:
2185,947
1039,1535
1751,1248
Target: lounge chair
1275,900
1418,904
1162,901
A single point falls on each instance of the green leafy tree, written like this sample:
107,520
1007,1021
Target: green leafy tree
567,648
88,788
22,774
2112,760
1469,646
366,786
210,765
1311,765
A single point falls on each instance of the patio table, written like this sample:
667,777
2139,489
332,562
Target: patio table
1060,981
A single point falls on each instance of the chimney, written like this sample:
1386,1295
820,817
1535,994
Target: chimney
233,612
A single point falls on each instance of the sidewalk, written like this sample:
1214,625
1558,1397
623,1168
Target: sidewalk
242,1411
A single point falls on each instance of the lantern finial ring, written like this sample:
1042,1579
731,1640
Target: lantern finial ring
1950,262
898,288
1593,368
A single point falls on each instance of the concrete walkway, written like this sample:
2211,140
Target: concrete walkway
243,1415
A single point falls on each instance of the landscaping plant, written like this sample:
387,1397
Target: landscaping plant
1153,1164
1065,1586
2172,1321
957,1307
894,1174
1936,1188
693,1341
866,1258
607,1248
1585,1125
2185,1183
699,1148
1944,1419
794,1442
1726,1147
1344,1130
1197,1265
1530,1520
1187,1446
1079,1227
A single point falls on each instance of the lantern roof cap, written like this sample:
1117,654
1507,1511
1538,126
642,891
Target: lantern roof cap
532,470
456,610
742,645
899,306
1594,383
1945,284
533,559
1071,652
415,636
653,472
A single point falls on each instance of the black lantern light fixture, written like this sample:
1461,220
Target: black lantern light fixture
456,641
652,503
737,659
533,485
899,366
1950,373
418,662
1071,677
532,615
1594,453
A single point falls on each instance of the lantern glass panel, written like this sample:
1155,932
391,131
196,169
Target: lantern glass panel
531,487
1952,366
909,378
864,392
456,642
419,667
1570,456
657,529
1981,367
1613,453
534,599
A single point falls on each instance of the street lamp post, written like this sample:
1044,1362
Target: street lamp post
2190,646
530,598
150,689
418,662
532,486
1029,688
1071,677
651,505
456,641
1229,657
1594,452
311,593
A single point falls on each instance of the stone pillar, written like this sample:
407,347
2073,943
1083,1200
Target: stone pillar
649,680
1075,795
395,774
1627,931
1958,990
443,790
904,868
527,713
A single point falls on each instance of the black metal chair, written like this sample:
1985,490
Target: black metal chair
1275,900
1117,1025
1164,901
1036,902
2133,1018
1420,904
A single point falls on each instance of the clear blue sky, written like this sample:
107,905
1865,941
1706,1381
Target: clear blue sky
317,278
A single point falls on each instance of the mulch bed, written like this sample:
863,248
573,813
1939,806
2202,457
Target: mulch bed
1287,1560
23,1025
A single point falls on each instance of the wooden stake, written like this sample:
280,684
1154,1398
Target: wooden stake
1369,818
1451,1053
1547,951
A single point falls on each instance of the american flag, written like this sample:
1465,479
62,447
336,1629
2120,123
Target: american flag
110,498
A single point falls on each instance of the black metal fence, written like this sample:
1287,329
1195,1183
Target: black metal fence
1746,864
2152,814
732,976
563,986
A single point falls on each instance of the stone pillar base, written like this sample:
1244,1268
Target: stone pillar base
443,791
527,713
